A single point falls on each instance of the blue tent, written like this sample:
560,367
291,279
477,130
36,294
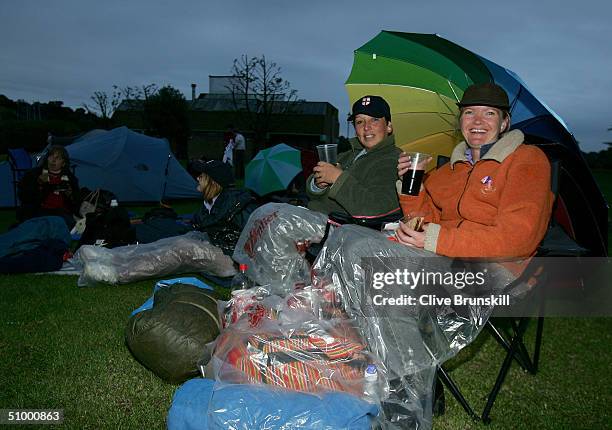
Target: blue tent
6,186
136,167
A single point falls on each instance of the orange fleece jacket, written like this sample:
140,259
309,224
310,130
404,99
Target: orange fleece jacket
497,208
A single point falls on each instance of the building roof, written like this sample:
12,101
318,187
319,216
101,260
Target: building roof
224,103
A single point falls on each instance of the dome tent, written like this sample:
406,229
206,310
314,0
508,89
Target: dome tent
135,167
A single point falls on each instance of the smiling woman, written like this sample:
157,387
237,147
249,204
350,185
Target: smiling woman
493,199
361,183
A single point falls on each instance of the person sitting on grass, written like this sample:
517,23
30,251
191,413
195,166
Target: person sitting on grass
224,207
51,189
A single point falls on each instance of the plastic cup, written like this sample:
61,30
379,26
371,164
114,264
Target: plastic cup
413,178
328,153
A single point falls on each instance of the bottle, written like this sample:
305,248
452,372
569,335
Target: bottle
370,384
241,281
239,301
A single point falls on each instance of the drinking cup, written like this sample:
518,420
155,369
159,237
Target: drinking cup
413,178
328,153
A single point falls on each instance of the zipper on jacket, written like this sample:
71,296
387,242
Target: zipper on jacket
463,192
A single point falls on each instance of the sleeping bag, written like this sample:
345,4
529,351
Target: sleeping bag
170,338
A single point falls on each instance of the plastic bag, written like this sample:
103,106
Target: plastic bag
190,252
279,342
269,244
411,340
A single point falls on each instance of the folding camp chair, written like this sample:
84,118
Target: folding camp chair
20,162
556,243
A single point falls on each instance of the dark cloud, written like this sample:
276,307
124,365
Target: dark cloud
67,49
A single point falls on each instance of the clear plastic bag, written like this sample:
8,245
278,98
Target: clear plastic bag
410,341
270,244
279,342
190,252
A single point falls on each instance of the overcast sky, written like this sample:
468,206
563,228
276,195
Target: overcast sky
67,49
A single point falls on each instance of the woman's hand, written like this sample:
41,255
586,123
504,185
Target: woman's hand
325,174
410,237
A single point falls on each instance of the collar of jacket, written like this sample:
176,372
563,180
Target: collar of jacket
502,148
385,143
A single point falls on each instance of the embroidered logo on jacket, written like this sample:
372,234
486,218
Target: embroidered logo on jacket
487,185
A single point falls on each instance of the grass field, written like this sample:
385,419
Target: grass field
63,347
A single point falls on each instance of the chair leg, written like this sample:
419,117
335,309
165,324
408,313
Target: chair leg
454,389
521,359
510,355
522,355
538,344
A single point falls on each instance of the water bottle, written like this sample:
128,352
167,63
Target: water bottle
370,385
241,281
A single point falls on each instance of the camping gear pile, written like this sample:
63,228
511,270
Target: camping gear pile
304,333
36,245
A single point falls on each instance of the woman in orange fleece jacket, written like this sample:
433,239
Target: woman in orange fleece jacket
493,198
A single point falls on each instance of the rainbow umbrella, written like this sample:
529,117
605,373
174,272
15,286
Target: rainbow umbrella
273,169
422,76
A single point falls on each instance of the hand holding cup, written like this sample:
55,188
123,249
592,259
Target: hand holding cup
411,169
325,174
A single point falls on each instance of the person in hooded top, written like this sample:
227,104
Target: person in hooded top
51,189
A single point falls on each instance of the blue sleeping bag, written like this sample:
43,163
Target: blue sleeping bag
31,233
251,407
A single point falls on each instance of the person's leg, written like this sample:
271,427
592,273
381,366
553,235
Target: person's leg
239,164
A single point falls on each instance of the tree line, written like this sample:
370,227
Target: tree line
257,88
164,113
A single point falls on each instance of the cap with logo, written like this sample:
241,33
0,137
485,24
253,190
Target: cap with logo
374,106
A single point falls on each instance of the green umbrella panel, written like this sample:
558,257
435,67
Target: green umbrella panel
422,96
273,169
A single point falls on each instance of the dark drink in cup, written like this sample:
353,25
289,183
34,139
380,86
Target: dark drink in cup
413,178
411,182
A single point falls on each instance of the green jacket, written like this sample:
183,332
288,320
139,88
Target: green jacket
366,185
